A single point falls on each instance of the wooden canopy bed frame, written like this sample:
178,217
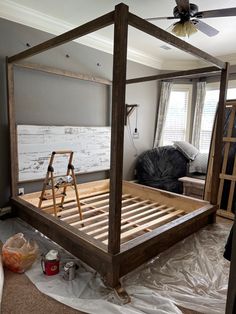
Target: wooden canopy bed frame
132,223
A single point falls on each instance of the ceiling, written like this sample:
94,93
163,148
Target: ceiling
58,16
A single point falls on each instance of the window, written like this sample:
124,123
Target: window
177,117
208,114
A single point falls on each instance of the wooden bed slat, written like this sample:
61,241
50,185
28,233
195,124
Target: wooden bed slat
136,222
150,224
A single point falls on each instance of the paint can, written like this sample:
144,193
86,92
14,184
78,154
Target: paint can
69,271
50,263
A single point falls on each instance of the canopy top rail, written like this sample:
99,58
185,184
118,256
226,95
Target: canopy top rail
108,19
176,74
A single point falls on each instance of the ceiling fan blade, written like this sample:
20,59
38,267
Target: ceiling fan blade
205,28
161,18
216,13
183,5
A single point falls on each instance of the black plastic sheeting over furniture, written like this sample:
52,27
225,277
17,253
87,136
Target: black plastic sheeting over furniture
161,167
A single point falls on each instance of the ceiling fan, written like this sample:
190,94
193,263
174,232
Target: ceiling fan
190,19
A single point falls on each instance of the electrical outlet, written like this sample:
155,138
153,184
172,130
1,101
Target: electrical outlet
21,191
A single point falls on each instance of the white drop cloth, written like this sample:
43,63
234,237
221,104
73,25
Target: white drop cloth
193,274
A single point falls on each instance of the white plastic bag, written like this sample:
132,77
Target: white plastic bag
18,254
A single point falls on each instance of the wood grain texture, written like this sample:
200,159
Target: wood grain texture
118,119
66,73
217,160
176,74
91,146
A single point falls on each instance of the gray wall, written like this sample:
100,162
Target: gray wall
53,100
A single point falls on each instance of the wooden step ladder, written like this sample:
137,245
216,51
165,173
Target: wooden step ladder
50,181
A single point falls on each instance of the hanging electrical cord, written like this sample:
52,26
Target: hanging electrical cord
131,137
136,134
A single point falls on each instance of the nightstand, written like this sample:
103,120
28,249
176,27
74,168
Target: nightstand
193,187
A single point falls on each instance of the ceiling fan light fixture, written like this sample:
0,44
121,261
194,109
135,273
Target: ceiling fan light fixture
183,29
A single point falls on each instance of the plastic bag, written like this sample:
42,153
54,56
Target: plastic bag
18,254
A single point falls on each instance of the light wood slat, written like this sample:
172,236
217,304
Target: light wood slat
232,187
135,210
94,204
226,214
71,218
123,219
95,197
96,216
228,177
103,221
135,204
149,224
229,139
136,222
94,225
85,195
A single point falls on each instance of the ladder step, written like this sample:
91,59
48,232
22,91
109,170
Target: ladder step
49,197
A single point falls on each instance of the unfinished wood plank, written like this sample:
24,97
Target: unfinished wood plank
92,26
163,197
136,223
61,72
229,177
118,120
229,139
172,40
226,214
149,224
86,228
95,197
124,218
75,216
176,74
94,217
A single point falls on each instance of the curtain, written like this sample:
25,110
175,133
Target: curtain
162,111
200,98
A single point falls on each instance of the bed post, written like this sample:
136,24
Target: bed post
12,127
117,130
217,160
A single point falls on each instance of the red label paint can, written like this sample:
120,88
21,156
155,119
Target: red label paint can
50,263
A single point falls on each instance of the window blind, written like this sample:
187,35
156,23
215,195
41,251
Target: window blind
176,117
208,115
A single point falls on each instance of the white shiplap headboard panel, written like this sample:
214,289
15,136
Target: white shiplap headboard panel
91,147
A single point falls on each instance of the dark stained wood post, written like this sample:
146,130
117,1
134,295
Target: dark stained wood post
12,127
117,133
217,161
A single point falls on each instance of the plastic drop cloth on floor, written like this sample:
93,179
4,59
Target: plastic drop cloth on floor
192,274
